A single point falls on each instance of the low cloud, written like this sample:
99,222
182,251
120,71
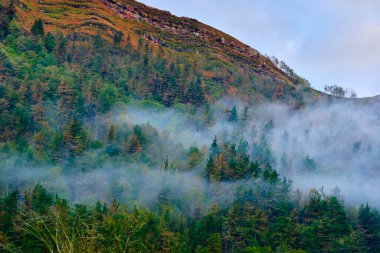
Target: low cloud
320,146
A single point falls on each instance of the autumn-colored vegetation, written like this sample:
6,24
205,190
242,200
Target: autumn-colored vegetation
66,65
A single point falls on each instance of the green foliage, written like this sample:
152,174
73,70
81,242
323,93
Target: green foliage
327,219
208,116
14,29
38,28
40,200
244,116
50,42
195,93
117,38
233,115
7,14
247,225
194,157
85,80
8,211
51,87
309,164
228,163
108,97
369,225
112,134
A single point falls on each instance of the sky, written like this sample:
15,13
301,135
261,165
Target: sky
328,42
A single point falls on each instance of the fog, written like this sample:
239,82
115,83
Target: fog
321,146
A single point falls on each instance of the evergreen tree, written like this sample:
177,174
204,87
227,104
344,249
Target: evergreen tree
11,10
7,14
309,164
195,93
244,116
369,224
75,138
98,41
214,149
134,144
112,134
208,115
38,28
61,52
233,115
129,47
108,97
214,243
14,29
40,200
8,211
117,37
209,168
50,42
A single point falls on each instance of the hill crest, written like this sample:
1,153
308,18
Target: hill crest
137,20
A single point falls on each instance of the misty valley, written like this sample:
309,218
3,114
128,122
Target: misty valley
145,132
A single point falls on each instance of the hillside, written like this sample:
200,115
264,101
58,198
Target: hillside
137,20
66,63
126,129
214,51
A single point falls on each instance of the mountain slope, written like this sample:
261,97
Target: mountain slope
160,28
136,19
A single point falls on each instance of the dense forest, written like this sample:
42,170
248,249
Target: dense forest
65,136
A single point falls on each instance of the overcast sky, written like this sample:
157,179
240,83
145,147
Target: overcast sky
325,41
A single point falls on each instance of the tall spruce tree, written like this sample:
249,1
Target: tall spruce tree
233,115
7,14
50,42
38,28
195,93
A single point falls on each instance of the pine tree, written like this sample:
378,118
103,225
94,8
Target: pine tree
233,116
7,14
369,223
221,169
61,52
8,211
195,93
209,168
245,225
11,9
112,134
50,42
309,164
134,145
117,37
208,115
66,94
75,138
129,47
108,97
214,149
98,41
175,92
214,243
244,116
38,28
40,200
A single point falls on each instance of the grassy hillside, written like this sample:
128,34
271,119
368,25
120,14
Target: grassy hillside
211,49
137,20
80,58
